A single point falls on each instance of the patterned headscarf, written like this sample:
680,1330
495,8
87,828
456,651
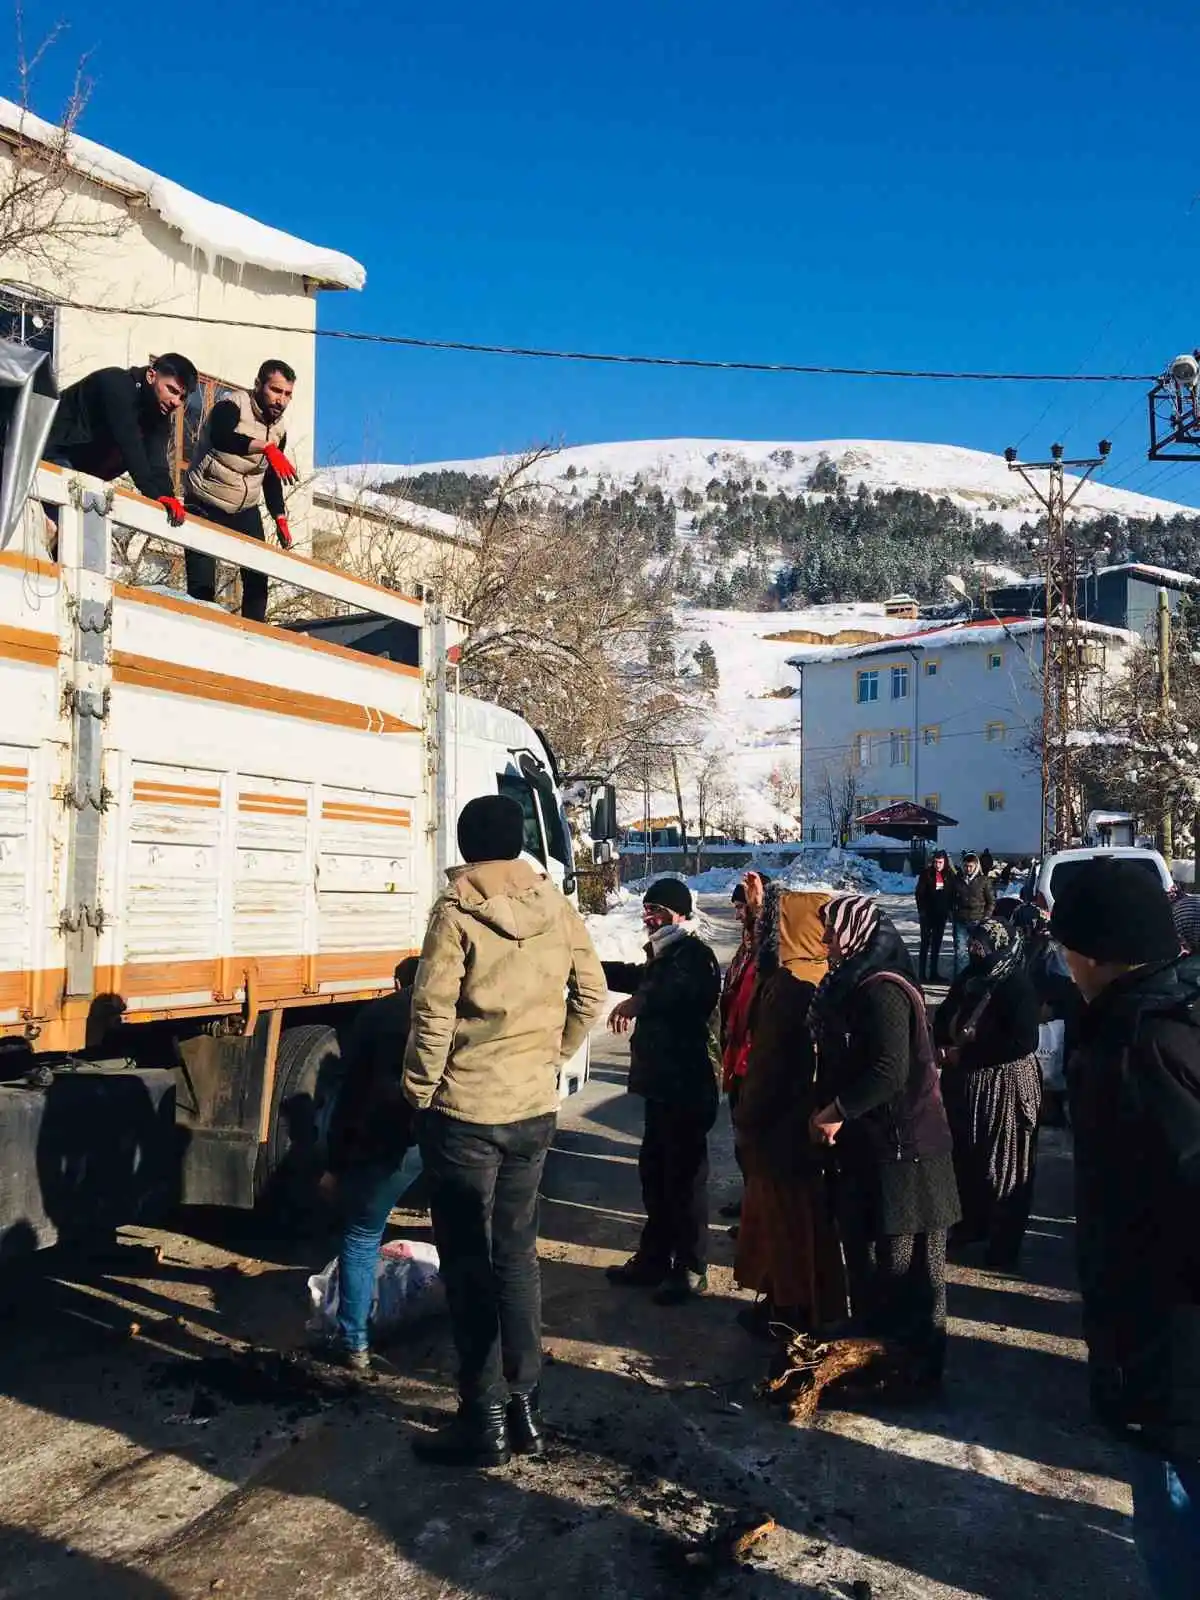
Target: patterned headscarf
1186,912
854,918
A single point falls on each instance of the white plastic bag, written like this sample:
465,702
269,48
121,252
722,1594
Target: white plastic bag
408,1288
1051,1038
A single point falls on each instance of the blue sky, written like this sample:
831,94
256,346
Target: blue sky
935,183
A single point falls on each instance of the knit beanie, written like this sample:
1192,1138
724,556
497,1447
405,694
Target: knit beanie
672,894
491,828
1114,910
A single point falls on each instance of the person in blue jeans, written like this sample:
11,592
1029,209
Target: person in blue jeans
1134,1084
373,1157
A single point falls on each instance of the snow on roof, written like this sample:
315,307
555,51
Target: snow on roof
331,489
981,633
214,230
1163,575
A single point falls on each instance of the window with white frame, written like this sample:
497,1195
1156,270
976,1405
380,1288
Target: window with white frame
932,668
932,802
995,660
899,683
931,734
995,733
995,800
864,749
866,688
900,745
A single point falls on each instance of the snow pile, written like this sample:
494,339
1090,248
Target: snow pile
618,934
807,867
214,230
976,480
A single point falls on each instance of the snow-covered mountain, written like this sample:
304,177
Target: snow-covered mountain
973,479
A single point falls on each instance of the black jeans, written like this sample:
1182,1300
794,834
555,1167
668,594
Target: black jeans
933,931
673,1163
483,1195
202,569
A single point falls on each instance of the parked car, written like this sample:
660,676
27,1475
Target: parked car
1048,877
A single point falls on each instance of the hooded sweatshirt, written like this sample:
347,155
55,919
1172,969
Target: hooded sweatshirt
507,989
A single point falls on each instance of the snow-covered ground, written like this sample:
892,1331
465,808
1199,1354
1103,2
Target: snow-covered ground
973,479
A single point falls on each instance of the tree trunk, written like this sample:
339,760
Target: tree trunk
679,805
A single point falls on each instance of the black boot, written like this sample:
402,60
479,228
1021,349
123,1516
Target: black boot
475,1437
525,1424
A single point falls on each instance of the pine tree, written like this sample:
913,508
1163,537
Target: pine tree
706,660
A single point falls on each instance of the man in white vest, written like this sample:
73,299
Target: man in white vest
238,463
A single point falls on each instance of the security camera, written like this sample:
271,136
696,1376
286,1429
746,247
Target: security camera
1105,446
1010,455
1056,450
1184,370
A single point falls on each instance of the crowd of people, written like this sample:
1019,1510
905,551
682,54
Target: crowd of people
126,421
873,1135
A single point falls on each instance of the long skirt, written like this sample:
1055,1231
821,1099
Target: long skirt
993,1114
788,1248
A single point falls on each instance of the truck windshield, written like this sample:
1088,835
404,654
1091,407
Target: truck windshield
517,789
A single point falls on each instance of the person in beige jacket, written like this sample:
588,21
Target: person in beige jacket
507,989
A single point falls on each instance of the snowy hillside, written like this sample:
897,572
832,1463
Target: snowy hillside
755,726
972,479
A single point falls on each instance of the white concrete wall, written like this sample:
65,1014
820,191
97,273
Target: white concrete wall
389,550
962,768
148,269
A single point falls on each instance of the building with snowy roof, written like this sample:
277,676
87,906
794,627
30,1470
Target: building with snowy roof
1123,596
387,538
141,258
947,717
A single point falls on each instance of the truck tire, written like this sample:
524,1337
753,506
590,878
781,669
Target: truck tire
308,1078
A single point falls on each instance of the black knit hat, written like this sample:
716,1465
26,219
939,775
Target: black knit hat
491,828
672,894
1114,910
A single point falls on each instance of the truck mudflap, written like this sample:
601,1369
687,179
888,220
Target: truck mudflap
95,1148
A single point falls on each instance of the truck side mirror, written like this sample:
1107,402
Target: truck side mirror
604,814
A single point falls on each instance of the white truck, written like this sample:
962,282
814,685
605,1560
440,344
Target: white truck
217,839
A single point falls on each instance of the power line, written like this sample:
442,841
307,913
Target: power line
610,358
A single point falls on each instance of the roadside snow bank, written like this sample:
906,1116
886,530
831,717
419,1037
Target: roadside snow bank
815,868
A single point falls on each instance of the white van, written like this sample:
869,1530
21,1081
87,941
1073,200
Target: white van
1050,876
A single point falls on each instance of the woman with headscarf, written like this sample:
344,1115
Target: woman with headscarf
986,1031
737,993
788,1247
882,1114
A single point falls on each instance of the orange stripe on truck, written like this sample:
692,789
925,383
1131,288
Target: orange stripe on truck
172,677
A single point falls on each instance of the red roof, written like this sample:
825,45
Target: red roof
906,813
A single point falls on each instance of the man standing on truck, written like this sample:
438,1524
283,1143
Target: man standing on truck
238,463
507,990
116,421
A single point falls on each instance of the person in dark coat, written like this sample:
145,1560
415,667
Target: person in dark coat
974,902
986,1031
674,1066
788,1249
882,1113
373,1157
1134,1085
986,862
935,893
116,421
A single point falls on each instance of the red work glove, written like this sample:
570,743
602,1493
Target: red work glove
283,533
279,464
176,515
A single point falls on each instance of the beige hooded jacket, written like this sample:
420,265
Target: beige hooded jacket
507,989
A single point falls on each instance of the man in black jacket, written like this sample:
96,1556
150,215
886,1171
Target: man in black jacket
674,1066
116,421
1134,1083
372,1156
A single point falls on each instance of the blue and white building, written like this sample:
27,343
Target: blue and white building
949,717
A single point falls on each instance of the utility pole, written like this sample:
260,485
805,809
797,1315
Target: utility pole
1166,826
1061,656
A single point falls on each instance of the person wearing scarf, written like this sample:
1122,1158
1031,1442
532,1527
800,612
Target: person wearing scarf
737,993
883,1120
986,1031
788,1248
